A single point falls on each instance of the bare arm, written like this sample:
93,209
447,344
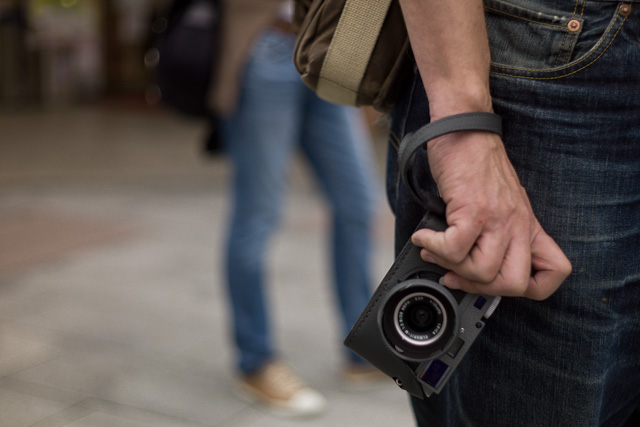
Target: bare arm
450,45
493,239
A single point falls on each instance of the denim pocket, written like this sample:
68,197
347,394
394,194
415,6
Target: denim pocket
529,40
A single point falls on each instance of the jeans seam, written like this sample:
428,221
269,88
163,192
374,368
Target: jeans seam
502,12
567,55
567,66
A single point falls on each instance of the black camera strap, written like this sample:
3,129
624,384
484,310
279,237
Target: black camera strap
413,141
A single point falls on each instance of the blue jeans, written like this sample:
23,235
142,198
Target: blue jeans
276,115
571,109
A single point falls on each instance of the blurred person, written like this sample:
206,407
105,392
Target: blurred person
266,115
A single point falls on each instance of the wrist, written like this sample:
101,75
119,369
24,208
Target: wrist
450,100
451,92
487,123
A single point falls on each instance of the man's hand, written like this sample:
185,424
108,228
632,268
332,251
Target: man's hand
494,244
494,241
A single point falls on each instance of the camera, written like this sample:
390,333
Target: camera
414,329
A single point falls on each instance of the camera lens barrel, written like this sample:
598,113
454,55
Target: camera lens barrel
419,319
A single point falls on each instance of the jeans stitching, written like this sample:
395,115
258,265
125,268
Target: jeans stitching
567,56
502,12
598,45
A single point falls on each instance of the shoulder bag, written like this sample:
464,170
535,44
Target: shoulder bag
353,52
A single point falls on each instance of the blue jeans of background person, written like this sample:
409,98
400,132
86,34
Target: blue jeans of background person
276,115
571,108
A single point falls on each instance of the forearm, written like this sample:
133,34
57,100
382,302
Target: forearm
493,240
451,48
449,42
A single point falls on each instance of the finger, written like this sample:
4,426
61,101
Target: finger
551,267
511,280
482,263
498,287
452,245
550,264
487,257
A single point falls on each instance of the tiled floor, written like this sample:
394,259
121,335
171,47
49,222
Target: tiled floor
112,310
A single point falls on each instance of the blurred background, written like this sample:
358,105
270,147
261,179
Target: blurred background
58,52
112,217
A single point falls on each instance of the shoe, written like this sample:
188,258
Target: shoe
278,388
362,374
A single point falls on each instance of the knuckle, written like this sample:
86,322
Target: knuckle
455,252
517,284
566,269
483,273
486,276
487,270
455,255
519,287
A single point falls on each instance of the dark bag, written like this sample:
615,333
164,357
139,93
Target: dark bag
187,50
353,52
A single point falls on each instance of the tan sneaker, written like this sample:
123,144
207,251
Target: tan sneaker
277,387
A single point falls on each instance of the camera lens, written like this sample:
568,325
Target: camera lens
419,318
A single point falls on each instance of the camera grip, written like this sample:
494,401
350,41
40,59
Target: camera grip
366,337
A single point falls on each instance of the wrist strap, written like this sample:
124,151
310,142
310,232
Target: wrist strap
413,141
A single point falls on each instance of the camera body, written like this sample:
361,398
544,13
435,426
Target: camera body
414,329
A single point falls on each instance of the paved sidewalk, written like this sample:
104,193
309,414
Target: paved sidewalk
112,309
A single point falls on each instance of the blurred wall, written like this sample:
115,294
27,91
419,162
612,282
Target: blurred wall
55,52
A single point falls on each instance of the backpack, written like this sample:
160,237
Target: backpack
187,50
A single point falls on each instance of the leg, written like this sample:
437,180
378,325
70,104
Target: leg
573,359
260,140
338,148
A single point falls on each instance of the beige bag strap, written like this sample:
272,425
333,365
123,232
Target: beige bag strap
351,47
